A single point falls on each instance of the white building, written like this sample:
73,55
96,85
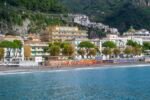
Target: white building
121,41
143,34
13,55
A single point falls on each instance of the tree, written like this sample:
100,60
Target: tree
128,51
109,44
137,51
68,50
8,44
81,52
18,47
64,44
27,51
1,53
54,50
92,52
97,50
57,43
107,51
87,45
116,52
146,46
133,43
12,45
18,43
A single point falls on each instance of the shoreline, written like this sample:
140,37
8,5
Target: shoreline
22,70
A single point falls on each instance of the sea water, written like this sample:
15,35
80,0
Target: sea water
131,83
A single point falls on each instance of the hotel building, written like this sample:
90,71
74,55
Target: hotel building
35,49
63,33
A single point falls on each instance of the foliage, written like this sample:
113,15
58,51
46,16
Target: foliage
68,50
92,52
137,51
133,43
116,51
15,12
63,44
36,5
54,50
129,15
57,44
109,44
97,50
128,50
86,44
96,33
27,51
81,52
9,44
18,43
57,48
117,13
107,51
146,46
1,53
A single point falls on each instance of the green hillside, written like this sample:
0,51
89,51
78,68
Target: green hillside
41,14
117,13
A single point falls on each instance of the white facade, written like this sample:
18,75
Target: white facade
143,34
13,55
121,41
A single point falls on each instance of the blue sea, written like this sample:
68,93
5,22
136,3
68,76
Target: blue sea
125,83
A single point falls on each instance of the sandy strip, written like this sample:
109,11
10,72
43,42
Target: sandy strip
95,67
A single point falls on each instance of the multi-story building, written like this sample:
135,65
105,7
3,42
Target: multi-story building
35,51
13,55
63,33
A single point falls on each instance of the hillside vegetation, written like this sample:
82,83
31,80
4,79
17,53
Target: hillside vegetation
14,12
117,13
